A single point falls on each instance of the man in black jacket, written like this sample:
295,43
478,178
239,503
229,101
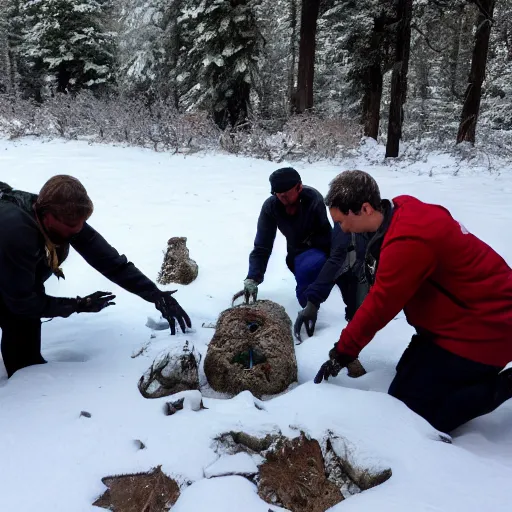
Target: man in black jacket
36,232
318,256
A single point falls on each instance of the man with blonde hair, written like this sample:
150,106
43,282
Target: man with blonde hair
454,289
36,232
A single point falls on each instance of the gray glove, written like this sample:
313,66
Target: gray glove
307,317
250,290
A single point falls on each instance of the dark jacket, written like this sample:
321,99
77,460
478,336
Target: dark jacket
309,228
24,267
449,283
338,263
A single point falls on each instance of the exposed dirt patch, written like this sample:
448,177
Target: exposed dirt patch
140,492
294,477
303,474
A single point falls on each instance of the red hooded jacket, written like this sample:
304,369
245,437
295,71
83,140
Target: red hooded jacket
448,282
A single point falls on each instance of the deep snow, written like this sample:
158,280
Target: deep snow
53,459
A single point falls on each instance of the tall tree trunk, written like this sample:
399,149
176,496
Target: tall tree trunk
371,78
472,97
63,76
293,51
307,46
371,100
399,78
239,109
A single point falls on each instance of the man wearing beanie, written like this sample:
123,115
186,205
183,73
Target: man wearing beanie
36,232
318,256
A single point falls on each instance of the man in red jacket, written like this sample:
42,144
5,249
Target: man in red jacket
455,290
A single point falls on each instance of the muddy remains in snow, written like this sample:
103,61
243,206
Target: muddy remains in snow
172,371
301,474
141,492
178,266
298,474
252,349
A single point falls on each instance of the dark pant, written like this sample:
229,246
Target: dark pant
306,268
352,291
21,340
445,389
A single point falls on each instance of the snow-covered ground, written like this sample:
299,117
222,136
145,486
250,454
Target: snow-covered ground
52,460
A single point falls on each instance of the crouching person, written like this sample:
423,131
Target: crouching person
318,256
454,289
36,232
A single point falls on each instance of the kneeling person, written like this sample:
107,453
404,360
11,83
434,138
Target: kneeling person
316,254
36,232
455,290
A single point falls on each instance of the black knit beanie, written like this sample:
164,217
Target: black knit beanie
283,179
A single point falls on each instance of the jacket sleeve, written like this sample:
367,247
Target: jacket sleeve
263,244
404,265
114,266
323,228
319,290
20,292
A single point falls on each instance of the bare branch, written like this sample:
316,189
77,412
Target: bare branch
415,27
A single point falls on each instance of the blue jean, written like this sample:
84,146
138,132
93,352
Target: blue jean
306,268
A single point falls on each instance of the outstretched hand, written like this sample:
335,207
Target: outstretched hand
337,361
250,291
172,311
94,302
306,317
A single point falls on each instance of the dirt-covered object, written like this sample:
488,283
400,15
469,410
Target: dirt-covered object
172,371
294,476
304,474
252,349
177,267
140,492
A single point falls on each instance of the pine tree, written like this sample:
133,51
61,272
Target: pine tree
277,20
369,42
220,65
69,43
149,47
334,93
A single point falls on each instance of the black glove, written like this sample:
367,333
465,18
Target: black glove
337,361
95,302
171,310
307,317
